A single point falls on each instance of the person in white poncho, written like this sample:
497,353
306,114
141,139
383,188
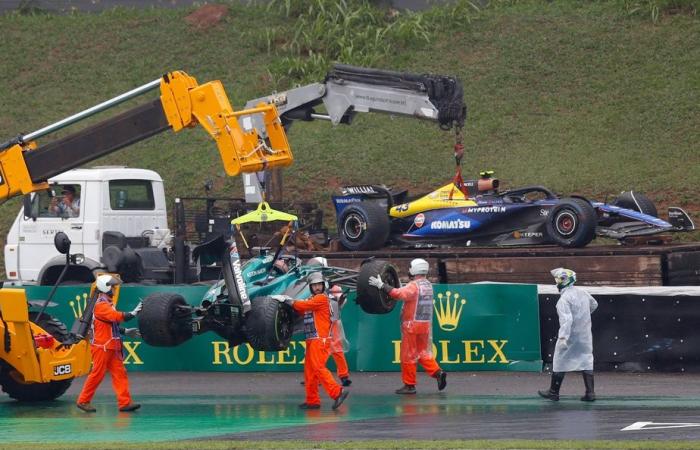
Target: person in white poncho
573,351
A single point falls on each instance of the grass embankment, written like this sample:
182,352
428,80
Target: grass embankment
582,97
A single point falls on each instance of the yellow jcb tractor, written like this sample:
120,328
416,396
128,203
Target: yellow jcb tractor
39,357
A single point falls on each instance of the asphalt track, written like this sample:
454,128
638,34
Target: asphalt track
248,406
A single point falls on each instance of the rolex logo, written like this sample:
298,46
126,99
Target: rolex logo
78,305
448,309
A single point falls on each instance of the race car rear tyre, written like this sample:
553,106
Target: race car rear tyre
363,226
11,382
269,324
165,320
572,223
371,299
636,201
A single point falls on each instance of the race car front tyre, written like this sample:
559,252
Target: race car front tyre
572,223
363,226
269,324
11,381
371,299
165,320
636,201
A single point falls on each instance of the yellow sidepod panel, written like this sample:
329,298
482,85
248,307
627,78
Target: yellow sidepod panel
439,198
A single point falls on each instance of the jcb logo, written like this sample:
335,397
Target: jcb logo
64,369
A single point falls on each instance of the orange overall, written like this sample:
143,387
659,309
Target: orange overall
416,329
338,334
106,349
337,350
317,327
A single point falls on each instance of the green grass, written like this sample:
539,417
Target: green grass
387,444
582,97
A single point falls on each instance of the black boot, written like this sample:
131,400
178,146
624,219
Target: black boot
441,378
588,382
406,389
553,392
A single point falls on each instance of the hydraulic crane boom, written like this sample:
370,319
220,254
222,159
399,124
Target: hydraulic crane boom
348,90
183,103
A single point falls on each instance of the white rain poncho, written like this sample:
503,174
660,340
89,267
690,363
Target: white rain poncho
339,343
575,351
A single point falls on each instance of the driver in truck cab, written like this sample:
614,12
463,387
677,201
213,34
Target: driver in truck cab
106,348
68,205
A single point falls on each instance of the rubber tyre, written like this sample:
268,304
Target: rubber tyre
162,323
636,201
37,392
572,223
371,299
363,226
269,324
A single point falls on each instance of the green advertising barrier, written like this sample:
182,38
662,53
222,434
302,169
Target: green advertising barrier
476,327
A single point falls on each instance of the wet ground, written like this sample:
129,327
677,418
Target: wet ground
264,406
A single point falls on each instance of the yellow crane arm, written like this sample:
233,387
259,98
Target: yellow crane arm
183,103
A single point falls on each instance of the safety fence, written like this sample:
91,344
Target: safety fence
476,327
653,329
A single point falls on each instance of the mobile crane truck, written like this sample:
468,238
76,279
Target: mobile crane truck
249,141
38,357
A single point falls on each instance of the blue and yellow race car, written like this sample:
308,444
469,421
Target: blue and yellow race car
475,213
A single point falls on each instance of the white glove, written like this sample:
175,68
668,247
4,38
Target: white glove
281,298
289,301
376,281
133,333
135,312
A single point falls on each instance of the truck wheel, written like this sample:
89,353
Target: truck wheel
572,223
363,226
12,382
166,320
371,299
636,201
269,324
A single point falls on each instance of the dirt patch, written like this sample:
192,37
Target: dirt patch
207,16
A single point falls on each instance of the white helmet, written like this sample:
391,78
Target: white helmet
315,277
104,283
318,261
419,267
563,277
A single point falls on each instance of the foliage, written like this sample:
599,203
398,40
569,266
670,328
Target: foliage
576,96
349,31
655,9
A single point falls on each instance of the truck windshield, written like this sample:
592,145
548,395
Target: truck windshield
131,195
59,201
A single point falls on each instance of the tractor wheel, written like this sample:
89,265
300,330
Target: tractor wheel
636,201
269,324
12,382
572,223
166,320
363,226
371,299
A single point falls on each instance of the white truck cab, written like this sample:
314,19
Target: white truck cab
84,204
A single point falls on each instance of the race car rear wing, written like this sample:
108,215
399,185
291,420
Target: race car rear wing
680,220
